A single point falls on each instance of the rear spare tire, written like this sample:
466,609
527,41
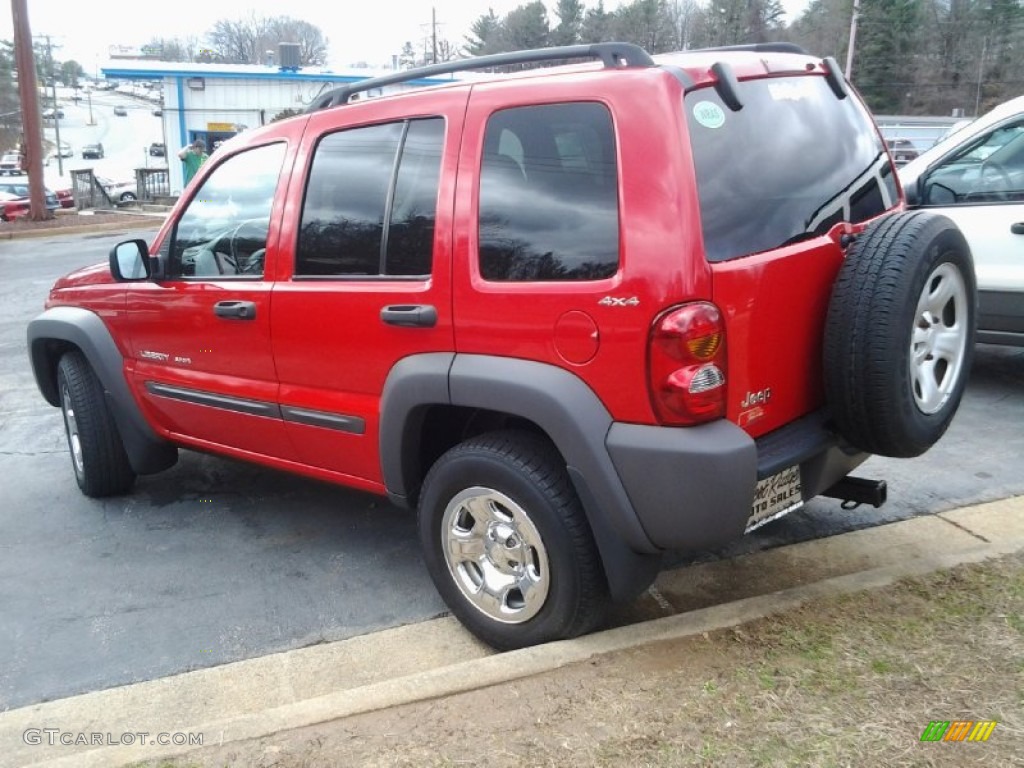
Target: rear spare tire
899,337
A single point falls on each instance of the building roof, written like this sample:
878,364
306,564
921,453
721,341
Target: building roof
151,70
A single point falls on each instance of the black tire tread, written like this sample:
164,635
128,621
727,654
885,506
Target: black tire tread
107,471
867,333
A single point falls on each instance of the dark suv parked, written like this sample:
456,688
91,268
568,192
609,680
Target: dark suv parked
577,317
92,151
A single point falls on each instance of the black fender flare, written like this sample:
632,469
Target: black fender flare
50,333
554,399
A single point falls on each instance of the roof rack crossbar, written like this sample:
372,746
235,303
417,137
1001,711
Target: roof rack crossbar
611,54
758,48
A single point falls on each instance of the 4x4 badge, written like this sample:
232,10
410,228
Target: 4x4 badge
618,301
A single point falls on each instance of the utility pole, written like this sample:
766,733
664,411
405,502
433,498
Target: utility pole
981,76
29,94
853,39
56,112
431,40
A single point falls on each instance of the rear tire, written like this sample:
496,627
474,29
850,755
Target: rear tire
507,543
899,338
97,454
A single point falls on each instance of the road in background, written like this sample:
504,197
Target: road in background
125,139
215,561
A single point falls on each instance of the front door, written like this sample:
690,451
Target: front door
370,282
201,341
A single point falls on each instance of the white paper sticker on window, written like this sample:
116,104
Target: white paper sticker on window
793,90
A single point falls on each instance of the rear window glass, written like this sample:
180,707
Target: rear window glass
792,163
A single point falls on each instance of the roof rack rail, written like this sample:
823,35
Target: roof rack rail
759,48
612,54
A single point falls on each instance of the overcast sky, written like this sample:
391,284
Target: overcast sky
364,31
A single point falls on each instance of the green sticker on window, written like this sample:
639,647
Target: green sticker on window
709,114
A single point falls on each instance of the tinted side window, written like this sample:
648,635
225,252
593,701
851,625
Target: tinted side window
989,169
549,205
410,243
223,231
371,201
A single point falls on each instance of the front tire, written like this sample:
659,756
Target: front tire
507,543
899,338
97,454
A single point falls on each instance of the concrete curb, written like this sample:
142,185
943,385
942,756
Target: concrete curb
145,221
260,697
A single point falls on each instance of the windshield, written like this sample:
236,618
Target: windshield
793,162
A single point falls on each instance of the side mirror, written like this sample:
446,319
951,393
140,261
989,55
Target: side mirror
938,194
913,192
129,261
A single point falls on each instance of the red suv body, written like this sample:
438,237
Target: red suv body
577,316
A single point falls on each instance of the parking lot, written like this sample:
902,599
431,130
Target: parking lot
215,561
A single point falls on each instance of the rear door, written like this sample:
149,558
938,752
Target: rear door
542,270
367,253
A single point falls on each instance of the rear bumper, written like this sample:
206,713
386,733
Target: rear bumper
693,488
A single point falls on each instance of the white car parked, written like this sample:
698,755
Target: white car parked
119,191
975,176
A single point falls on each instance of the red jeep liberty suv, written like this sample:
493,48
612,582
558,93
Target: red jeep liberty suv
577,316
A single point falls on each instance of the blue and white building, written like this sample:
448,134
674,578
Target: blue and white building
214,102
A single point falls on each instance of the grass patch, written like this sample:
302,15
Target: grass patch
850,680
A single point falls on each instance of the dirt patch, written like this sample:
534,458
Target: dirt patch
63,220
853,680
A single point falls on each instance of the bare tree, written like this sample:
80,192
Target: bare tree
247,40
447,51
686,17
311,41
407,58
824,28
239,41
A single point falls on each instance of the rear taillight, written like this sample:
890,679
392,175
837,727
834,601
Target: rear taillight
686,365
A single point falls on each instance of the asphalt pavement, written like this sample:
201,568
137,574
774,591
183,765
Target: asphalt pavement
433,659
